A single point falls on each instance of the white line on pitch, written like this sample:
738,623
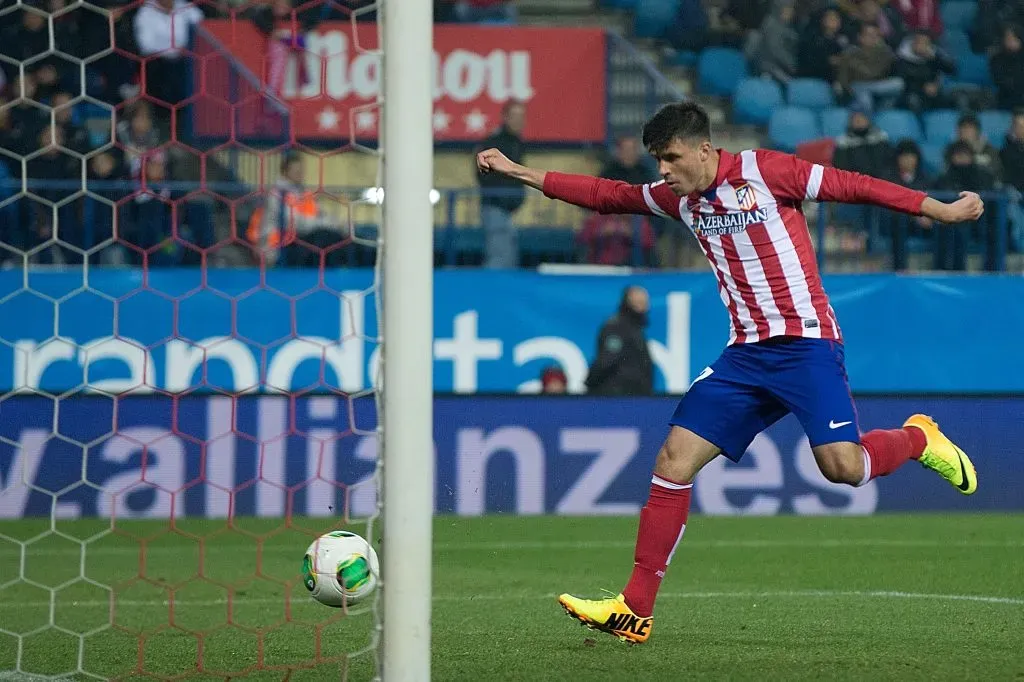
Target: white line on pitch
766,594
178,548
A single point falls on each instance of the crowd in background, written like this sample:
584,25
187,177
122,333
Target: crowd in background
876,55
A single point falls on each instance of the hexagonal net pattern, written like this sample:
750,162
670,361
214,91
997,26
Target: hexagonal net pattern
188,354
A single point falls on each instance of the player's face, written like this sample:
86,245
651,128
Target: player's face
682,165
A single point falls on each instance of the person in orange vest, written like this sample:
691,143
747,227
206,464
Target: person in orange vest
290,211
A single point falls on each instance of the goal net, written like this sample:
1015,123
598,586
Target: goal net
189,346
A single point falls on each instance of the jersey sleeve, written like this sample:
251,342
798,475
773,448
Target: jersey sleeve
794,179
612,196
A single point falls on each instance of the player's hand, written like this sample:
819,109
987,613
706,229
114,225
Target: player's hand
967,208
493,161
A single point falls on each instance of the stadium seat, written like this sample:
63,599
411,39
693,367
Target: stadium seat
933,155
995,124
958,15
755,99
940,125
720,70
834,121
809,92
684,58
620,4
789,126
900,124
973,68
653,17
956,42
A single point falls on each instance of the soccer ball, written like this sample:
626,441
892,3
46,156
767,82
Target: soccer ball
340,568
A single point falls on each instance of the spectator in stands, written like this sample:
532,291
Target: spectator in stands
909,173
500,196
617,240
26,122
920,15
863,12
866,71
108,180
962,173
1012,157
53,176
864,148
986,156
75,137
148,216
290,214
1007,66
623,364
137,136
820,46
553,381
469,11
921,65
163,29
993,16
627,163
774,48
740,17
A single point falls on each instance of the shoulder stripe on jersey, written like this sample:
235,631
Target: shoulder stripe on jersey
652,204
814,181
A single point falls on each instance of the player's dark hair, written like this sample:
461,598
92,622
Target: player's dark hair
684,121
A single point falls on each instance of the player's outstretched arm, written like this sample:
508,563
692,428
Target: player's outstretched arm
597,194
793,178
967,208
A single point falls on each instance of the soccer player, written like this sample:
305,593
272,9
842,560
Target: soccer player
785,351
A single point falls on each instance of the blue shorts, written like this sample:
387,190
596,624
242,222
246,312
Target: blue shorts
752,386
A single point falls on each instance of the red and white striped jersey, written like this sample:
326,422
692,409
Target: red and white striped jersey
751,227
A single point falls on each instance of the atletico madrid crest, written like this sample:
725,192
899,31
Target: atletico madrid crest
746,197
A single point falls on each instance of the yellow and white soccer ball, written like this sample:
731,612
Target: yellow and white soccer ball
340,568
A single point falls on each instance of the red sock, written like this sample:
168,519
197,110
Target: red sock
887,450
662,523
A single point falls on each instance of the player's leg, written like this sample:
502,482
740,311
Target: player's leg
812,383
719,414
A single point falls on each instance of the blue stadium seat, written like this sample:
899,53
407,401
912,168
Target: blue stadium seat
720,70
940,125
755,99
654,17
810,92
834,121
973,68
958,15
956,42
995,124
620,4
789,126
900,124
933,156
684,58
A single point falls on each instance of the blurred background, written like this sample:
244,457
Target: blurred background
190,200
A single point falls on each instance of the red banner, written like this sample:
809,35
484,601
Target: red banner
328,89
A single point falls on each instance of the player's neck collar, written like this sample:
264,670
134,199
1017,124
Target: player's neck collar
724,163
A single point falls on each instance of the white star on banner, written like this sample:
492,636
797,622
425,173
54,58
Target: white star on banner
328,119
366,120
441,121
476,122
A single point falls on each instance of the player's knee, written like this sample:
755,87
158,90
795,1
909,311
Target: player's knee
683,455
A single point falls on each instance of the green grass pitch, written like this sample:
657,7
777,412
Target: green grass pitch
915,597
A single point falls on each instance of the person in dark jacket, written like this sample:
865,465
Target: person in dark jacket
820,46
623,364
910,173
500,196
1007,67
921,65
963,173
1012,156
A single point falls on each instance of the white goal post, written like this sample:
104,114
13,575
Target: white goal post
407,338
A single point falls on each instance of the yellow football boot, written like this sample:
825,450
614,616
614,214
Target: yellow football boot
943,456
609,615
